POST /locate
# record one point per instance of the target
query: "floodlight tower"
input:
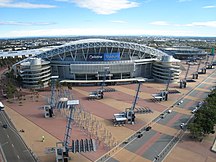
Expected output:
(105, 73)
(130, 114)
(166, 92)
(210, 66)
(53, 87)
(63, 148)
(196, 74)
(70, 104)
(183, 82)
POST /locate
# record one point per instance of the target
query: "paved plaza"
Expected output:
(29, 115)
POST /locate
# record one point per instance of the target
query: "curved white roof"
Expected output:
(96, 43)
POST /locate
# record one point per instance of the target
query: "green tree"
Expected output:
(195, 130)
(41, 83)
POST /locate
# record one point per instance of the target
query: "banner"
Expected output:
(212, 52)
(95, 57)
(112, 56)
(104, 57)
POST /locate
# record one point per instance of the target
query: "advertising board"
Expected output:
(112, 56)
(104, 57)
(95, 57)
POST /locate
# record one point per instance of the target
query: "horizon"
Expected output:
(65, 18)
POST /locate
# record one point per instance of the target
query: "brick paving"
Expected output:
(29, 116)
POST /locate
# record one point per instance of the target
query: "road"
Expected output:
(12, 145)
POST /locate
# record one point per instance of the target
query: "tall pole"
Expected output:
(136, 97)
(168, 82)
(187, 71)
(71, 105)
(212, 52)
(53, 87)
(105, 72)
(198, 65)
(68, 129)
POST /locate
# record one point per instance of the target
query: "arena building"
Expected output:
(86, 61)
(185, 52)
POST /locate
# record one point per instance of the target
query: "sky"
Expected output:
(29, 18)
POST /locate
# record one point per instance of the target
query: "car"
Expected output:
(169, 111)
(4, 126)
(200, 104)
(182, 125)
(194, 110)
(162, 115)
(1, 106)
(148, 128)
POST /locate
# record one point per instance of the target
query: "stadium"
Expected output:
(86, 61)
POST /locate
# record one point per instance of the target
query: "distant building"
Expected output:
(85, 61)
(184, 52)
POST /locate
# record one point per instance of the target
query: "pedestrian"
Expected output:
(43, 138)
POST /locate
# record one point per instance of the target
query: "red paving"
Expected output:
(56, 126)
(148, 144)
(189, 104)
(197, 147)
(173, 120)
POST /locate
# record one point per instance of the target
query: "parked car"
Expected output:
(194, 110)
(182, 125)
(1, 106)
(169, 111)
(4, 126)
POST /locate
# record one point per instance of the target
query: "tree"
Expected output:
(11, 89)
(205, 117)
(195, 130)
(41, 83)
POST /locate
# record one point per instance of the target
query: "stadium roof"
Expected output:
(95, 43)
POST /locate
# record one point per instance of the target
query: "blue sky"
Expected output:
(21, 18)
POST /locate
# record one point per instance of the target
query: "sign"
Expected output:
(95, 57)
(73, 102)
(212, 52)
(104, 57)
(112, 56)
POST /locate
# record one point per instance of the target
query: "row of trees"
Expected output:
(9, 61)
(205, 118)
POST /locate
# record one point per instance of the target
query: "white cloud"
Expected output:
(25, 23)
(104, 7)
(159, 23)
(209, 6)
(193, 24)
(14, 4)
(203, 24)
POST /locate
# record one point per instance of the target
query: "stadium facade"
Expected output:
(85, 61)
(185, 52)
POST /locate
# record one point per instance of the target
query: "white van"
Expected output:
(1, 106)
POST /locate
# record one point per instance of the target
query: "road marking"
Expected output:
(18, 157)
(12, 145)
(7, 136)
